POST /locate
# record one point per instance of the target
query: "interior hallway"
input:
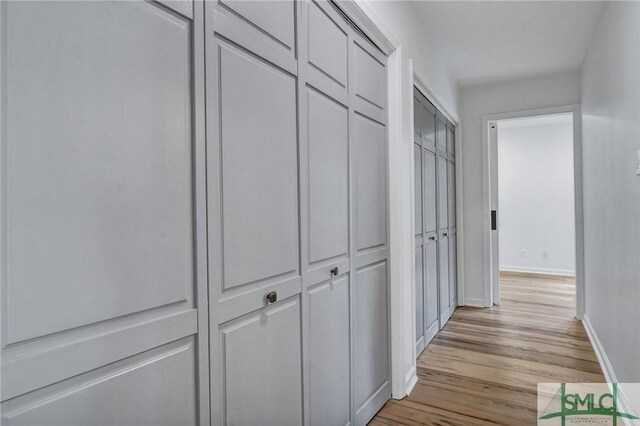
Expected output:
(484, 365)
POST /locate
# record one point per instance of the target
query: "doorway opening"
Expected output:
(535, 210)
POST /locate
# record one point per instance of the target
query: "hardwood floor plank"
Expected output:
(483, 367)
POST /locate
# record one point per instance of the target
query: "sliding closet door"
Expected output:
(103, 270)
(324, 174)
(368, 99)
(430, 299)
(426, 221)
(443, 219)
(418, 120)
(252, 165)
(451, 183)
(419, 278)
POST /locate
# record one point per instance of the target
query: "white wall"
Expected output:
(611, 136)
(536, 194)
(402, 19)
(475, 102)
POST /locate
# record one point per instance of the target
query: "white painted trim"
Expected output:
(578, 206)
(438, 101)
(603, 360)
(411, 380)
(399, 227)
(475, 302)
(543, 271)
(486, 216)
(364, 17)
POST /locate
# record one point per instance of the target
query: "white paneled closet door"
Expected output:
(370, 251)
(453, 233)
(435, 239)
(418, 218)
(443, 218)
(427, 314)
(103, 256)
(324, 173)
(430, 271)
(254, 259)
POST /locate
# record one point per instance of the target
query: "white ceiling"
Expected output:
(488, 41)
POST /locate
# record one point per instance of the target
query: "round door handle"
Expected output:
(432, 238)
(444, 234)
(334, 271)
(272, 296)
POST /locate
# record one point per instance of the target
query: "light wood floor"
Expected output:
(484, 365)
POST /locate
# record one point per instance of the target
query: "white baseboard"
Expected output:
(475, 302)
(609, 375)
(411, 381)
(564, 272)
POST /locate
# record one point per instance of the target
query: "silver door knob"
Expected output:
(432, 238)
(272, 296)
(334, 271)
(444, 234)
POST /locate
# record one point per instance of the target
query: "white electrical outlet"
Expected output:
(638, 162)
(545, 254)
(523, 253)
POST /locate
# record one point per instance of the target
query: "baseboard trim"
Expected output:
(474, 302)
(603, 360)
(411, 381)
(539, 271)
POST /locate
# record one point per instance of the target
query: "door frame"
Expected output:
(491, 286)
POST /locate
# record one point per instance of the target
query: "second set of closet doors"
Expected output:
(435, 220)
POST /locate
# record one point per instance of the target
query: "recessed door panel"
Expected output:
(443, 207)
(276, 19)
(371, 341)
(98, 163)
(102, 125)
(420, 319)
(328, 352)
(259, 169)
(371, 78)
(328, 151)
(370, 151)
(451, 141)
(328, 45)
(443, 277)
(263, 374)
(153, 388)
(417, 194)
(429, 192)
(429, 125)
(417, 117)
(430, 285)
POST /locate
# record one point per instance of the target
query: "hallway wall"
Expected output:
(611, 137)
(401, 18)
(476, 101)
(535, 192)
